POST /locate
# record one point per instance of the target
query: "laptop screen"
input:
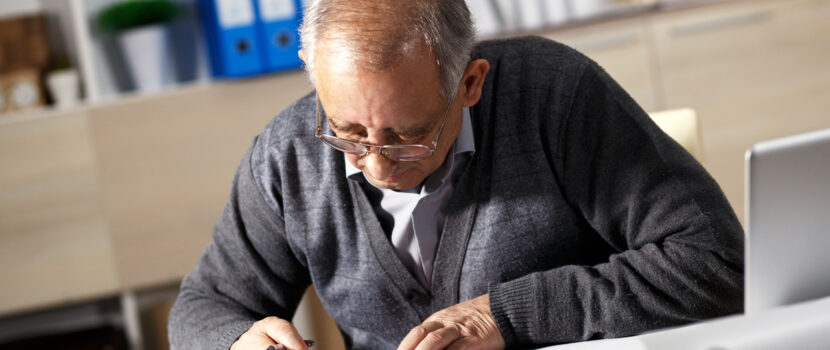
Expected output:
(788, 221)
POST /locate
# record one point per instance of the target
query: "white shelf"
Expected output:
(98, 55)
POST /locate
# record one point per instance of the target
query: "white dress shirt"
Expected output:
(418, 214)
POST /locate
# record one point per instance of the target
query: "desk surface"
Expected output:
(802, 326)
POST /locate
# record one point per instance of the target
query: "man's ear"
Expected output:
(301, 53)
(473, 80)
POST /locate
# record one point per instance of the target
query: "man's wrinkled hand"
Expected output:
(466, 325)
(270, 331)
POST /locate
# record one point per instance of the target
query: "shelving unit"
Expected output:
(118, 198)
(101, 61)
(105, 76)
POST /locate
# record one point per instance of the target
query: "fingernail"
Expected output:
(309, 343)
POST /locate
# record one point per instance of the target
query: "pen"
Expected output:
(308, 343)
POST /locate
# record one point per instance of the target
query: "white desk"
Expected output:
(803, 326)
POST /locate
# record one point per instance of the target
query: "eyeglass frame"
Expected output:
(367, 147)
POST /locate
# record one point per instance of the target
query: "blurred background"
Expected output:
(122, 123)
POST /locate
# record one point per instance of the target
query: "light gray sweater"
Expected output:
(577, 214)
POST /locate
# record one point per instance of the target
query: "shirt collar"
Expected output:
(465, 142)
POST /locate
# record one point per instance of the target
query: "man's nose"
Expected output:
(378, 166)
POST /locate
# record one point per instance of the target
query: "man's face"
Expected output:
(402, 105)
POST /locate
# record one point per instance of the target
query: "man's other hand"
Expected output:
(270, 331)
(467, 325)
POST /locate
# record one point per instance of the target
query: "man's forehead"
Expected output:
(402, 126)
(402, 98)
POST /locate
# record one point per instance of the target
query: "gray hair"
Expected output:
(376, 33)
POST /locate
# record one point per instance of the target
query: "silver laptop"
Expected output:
(788, 221)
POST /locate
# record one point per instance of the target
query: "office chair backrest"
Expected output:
(682, 126)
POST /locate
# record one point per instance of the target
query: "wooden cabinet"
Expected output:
(753, 70)
(167, 164)
(54, 244)
(123, 196)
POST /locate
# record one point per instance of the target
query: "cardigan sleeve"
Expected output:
(248, 271)
(678, 243)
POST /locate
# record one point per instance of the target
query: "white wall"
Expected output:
(12, 8)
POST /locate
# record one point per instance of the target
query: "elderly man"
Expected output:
(441, 194)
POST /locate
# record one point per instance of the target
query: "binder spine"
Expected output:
(231, 32)
(278, 22)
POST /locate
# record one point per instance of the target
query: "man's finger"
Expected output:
(432, 326)
(439, 339)
(413, 338)
(284, 333)
(466, 344)
(253, 342)
(417, 334)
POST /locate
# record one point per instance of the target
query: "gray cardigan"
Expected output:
(576, 213)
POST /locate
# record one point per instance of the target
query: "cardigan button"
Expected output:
(414, 296)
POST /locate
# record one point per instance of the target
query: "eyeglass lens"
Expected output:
(405, 153)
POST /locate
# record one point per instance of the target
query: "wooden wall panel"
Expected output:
(167, 162)
(54, 244)
(753, 70)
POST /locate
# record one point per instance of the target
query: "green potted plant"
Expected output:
(141, 29)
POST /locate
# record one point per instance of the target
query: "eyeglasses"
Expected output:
(402, 153)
